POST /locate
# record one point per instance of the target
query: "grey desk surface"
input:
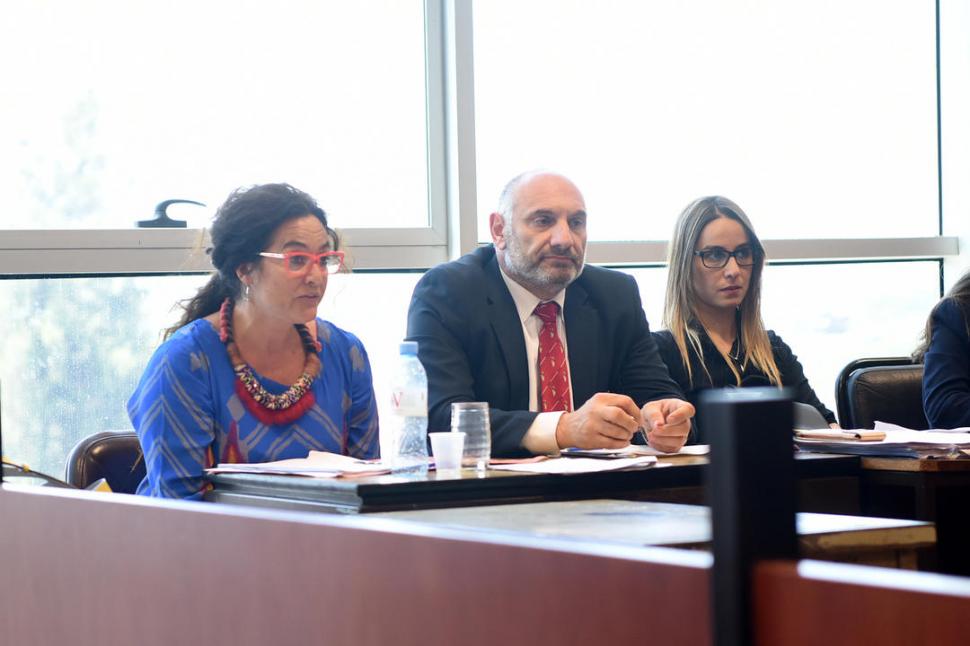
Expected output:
(663, 524)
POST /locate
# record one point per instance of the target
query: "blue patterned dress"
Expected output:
(188, 416)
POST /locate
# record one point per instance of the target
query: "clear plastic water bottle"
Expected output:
(404, 437)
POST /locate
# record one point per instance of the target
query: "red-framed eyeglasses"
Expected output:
(299, 262)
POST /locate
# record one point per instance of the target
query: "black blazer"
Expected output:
(792, 375)
(471, 343)
(946, 368)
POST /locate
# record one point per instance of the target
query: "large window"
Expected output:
(107, 108)
(819, 119)
(405, 119)
(72, 351)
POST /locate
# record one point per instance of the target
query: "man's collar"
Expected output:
(526, 301)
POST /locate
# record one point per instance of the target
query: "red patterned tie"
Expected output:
(553, 372)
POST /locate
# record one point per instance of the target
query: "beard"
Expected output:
(531, 274)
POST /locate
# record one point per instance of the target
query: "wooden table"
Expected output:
(924, 489)
(853, 539)
(823, 479)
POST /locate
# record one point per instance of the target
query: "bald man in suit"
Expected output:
(489, 324)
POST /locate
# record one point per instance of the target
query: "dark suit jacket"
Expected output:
(471, 343)
(946, 368)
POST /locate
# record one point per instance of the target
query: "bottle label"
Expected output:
(409, 403)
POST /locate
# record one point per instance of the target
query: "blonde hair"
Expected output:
(680, 304)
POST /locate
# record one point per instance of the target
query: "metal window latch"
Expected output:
(161, 219)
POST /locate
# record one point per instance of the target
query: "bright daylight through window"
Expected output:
(819, 119)
(121, 105)
(806, 114)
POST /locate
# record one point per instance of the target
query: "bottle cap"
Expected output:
(409, 347)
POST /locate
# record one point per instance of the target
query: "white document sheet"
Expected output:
(944, 437)
(634, 450)
(579, 465)
(318, 464)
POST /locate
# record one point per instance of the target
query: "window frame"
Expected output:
(452, 230)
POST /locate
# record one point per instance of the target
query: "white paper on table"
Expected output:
(946, 437)
(899, 442)
(275, 472)
(635, 450)
(318, 464)
(578, 465)
(693, 449)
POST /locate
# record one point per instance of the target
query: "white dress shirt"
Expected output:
(541, 436)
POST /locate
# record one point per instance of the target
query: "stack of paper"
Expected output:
(897, 442)
(856, 434)
(634, 450)
(578, 465)
(318, 464)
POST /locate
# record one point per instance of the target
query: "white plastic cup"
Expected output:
(471, 418)
(447, 449)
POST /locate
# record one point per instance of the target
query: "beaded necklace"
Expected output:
(271, 409)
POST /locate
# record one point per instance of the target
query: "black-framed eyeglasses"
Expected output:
(717, 257)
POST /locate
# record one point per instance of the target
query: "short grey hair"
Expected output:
(506, 200)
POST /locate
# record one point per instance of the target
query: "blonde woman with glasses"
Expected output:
(715, 337)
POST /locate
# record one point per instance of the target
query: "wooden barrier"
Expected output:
(84, 568)
(81, 568)
(811, 602)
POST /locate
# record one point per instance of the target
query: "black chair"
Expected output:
(887, 389)
(113, 455)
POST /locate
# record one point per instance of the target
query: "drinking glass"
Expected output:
(471, 418)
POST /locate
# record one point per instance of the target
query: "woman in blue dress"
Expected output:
(250, 374)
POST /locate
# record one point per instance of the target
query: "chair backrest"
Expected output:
(888, 390)
(842, 381)
(113, 455)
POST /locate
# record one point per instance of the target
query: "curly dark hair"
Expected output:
(243, 226)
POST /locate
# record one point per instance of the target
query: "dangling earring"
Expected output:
(246, 291)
